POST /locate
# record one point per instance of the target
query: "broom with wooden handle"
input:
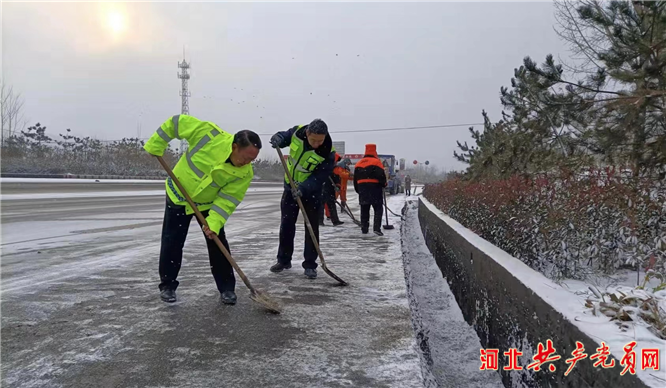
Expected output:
(256, 295)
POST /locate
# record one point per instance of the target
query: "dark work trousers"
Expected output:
(174, 232)
(328, 198)
(289, 208)
(365, 216)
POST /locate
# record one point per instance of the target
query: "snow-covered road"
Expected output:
(80, 305)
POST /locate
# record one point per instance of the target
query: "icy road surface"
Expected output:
(81, 308)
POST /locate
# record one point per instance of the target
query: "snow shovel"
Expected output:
(307, 221)
(348, 212)
(256, 295)
(387, 226)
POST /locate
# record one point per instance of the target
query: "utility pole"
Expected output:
(184, 76)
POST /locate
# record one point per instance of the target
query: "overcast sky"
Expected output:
(103, 69)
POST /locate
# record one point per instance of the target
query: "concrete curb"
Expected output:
(507, 314)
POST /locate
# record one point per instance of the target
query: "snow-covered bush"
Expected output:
(565, 225)
(641, 305)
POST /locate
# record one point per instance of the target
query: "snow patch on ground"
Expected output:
(449, 346)
(571, 306)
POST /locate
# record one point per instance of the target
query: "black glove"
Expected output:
(276, 140)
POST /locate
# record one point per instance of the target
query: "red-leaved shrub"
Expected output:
(565, 225)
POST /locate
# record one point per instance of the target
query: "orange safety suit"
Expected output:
(344, 175)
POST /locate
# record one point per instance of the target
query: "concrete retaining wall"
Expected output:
(507, 314)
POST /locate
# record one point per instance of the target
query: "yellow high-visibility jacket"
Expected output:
(205, 171)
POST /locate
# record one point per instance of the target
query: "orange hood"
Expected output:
(371, 149)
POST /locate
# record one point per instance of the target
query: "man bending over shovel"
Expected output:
(310, 162)
(216, 172)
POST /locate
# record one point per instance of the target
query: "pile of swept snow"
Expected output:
(438, 322)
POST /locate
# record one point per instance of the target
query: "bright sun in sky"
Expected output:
(115, 20)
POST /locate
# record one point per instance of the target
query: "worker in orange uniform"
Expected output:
(342, 176)
(369, 182)
(329, 193)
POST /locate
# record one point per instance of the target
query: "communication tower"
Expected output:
(184, 76)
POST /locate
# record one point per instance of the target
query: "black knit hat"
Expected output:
(318, 127)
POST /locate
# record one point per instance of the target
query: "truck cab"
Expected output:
(394, 184)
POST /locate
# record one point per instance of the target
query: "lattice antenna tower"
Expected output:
(184, 76)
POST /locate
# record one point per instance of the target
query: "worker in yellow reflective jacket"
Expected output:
(216, 172)
(310, 162)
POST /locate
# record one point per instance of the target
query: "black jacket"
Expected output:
(369, 180)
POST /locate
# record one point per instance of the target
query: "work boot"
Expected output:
(378, 232)
(228, 297)
(279, 267)
(310, 273)
(338, 222)
(168, 295)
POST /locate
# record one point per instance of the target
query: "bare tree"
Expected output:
(12, 119)
(585, 40)
(619, 46)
